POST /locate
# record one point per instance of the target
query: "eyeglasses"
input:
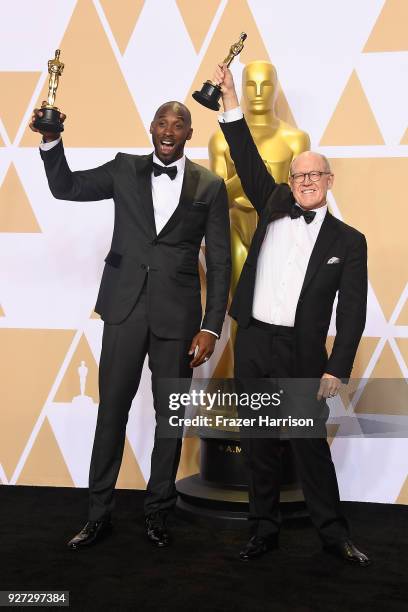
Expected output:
(313, 176)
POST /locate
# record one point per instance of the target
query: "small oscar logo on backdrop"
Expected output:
(73, 424)
(82, 400)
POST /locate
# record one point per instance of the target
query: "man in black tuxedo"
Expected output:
(300, 258)
(149, 298)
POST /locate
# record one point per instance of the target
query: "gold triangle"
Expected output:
(385, 392)
(122, 17)
(403, 347)
(332, 430)
(130, 475)
(45, 464)
(29, 362)
(403, 317)
(16, 213)
(190, 458)
(353, 121)
(227, 32)
(364, 353)
(203, 162)
(94, 315)
(387, 365)
(70, 384)
(381, 396)
(93, 92)
(1, 142)
(16, 91)
(403, 494)
(198, 17)
(404, 140)
(2, 314)
(356, 192)
(225, 365)
(390, 30)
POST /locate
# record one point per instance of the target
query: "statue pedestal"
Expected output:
(220, 493)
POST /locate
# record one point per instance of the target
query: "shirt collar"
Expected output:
(179, 164)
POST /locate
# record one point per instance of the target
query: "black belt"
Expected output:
(271, 328)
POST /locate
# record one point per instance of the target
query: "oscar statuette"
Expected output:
(50, 120)
(210, 92)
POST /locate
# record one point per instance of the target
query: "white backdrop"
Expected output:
(343, 68)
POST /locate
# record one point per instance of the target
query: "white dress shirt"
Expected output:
(165, 192)
(282, 260)
(281, 267)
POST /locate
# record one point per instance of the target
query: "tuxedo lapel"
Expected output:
(187, 196)
(328, 233)
(144, 175)
(279, 204)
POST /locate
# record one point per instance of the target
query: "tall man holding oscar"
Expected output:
(149, 298)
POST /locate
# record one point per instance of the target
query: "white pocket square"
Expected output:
(334, 260)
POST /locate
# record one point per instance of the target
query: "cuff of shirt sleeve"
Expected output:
(231, 115)
(46, 146)
(211, 332)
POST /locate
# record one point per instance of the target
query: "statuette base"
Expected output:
(209, 96)
(50, 121)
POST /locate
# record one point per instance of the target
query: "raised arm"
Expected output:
(257, 182)
(80, 186)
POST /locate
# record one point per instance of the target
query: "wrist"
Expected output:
(50, 137)
(230, 100)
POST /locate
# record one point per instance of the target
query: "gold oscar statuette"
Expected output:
(210, 92)
(50, 121)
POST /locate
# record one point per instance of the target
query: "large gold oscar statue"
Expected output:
(278, 143)
(220, 490)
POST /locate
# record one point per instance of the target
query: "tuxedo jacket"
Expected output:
(167, 262)
(338, 264)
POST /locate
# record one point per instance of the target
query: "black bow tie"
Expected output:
(171, 171)
(297, 212)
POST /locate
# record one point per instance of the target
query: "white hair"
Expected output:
(323, 157)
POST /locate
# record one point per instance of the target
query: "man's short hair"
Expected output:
(175, 106)
(323, 157)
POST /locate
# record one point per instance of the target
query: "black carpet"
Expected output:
(201, 570)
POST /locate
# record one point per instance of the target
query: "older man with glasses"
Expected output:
(300, 258)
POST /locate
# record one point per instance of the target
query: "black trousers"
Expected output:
(124, 348)
(267, 351)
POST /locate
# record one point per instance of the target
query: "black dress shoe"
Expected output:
(92, 532)
(348, 552)
(258, 546)
(156, 529)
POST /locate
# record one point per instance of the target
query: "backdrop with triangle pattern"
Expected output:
(342, 78)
